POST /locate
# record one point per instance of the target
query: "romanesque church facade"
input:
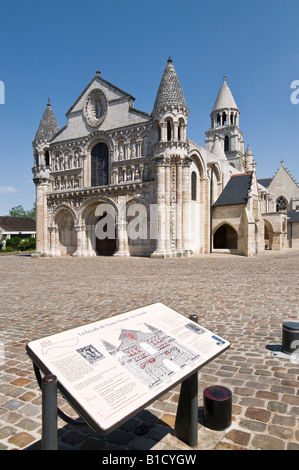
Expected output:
(189, 199)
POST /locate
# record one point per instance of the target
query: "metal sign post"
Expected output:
(49, 412)
(186, 423)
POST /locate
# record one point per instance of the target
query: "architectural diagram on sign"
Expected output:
(151, 356)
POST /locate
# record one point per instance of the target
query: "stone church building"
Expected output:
(169, 197)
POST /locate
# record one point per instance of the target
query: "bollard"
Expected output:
(217, 403)
(49, 412)
(290, 337)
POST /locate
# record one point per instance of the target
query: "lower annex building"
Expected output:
(168, 196)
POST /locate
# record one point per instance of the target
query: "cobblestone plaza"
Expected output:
(244, 300)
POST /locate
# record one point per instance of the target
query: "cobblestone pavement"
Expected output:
(244, 300)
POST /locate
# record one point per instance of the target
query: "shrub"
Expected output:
(13, 243)
(27, 244)
(19, 244)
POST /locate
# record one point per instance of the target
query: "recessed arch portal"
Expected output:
(226, 237)
(67, 238)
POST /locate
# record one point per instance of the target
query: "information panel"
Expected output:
(114, 367)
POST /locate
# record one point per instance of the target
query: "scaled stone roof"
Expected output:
(236, 190)
(17, 224)
(170, 92)
(48, 126)
(225, 98)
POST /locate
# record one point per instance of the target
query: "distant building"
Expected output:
(23, 227)
(205, 199)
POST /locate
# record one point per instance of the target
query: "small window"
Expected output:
(193, 186)
(226, 143)
(47, 158)
(281, 204)
(168, 131)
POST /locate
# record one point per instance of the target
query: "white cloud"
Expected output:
(8, 189)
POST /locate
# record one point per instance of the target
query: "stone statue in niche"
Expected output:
(133, 150)
(121, 152)
(76, 160)
(146, 145)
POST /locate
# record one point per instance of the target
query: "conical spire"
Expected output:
(170, 92)
(48, 126)
(225, 99)
(248, 152)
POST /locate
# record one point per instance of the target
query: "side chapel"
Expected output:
(207, 199)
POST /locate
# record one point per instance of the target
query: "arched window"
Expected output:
(168, 131)
(99, 165)
(47, 158)
(281, 204)
(193, 186)
(226, 143)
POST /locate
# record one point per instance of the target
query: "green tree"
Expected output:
(19, 211)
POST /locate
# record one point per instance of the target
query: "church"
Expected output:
(117, 181)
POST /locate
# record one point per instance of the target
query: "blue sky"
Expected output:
(53, 49)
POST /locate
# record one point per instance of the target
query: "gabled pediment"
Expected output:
(111, 92)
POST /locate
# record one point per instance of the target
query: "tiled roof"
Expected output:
(293, 216)
(170, 92)
(48, 126)
(236, 190)
(17, 224)
(265, 182)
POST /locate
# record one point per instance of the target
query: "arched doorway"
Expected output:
(105, 225)
(99, 240)
(226, 237)
(268, 235)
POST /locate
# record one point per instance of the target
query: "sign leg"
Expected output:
(49, 412)
(186, 424)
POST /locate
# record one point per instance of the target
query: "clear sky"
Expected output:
(53, 49)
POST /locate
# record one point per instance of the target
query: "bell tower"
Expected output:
(47, 129)
(225, 125)
(172, 164)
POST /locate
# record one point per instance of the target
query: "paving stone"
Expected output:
(21, 439)
(258, 413)
(239, 437)
(264, 442)
(57, 296)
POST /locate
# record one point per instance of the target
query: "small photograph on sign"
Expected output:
(195, 328)
(91, 354)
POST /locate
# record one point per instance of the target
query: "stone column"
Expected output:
(41, 217)
(179, 195)
(138, 148)
(80, 231)
(167, 207)
(54, 241)
(175, 131)
(160, 189)
(91, 240)
(186, 202)
(122, 244)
